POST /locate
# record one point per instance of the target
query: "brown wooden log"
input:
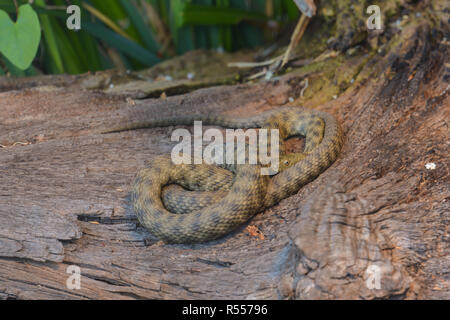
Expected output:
(64, 186)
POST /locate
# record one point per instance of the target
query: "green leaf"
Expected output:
(51, 40)
(193, 14)
(19, 41)
(144, 30)
(122, 44)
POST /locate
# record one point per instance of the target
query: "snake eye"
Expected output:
(286, 162)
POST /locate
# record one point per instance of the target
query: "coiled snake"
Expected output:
(220, 200)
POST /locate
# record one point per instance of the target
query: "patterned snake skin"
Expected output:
(220, 199)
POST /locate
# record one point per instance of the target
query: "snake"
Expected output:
(194, 203)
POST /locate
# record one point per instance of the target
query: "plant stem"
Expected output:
(296, 36)
(17, 7)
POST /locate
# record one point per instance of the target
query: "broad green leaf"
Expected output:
(19, 41)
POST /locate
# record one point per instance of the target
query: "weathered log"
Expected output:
(380, 208)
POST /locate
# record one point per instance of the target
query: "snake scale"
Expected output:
(222, 200)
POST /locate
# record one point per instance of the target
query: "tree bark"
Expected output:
(380, 212)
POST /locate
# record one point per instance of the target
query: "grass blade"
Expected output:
(143, 29)
(122, 44)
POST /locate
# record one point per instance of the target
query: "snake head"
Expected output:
(288, 160)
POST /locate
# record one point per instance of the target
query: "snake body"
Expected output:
(222, 200)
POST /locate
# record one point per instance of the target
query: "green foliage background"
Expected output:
(136, 34)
